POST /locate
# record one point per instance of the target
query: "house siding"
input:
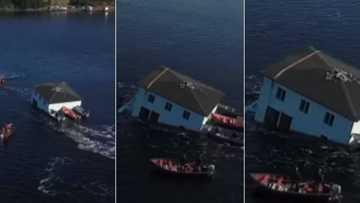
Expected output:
(58, 106)
(41, 103)
(48, 108)
(356, 128)
(311, 123)
(173, 117)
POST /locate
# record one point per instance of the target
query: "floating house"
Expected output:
(171, 98)
(51, 97)
(312, 93)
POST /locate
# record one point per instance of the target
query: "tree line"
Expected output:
(24, 4)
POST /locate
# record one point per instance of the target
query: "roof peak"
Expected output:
(182, 89)
(321, 77)
(304, 58)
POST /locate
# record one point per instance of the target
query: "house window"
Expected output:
(329, 119)
(151, 98)
(168, 106)
(186, 115)
(280, 94)
(304, 106)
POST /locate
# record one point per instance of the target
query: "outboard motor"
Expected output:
(211, 169)
(336, 190)
(321, 175)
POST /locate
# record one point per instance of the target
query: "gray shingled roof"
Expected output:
(57, 92)
(322, 78)
(182, 90)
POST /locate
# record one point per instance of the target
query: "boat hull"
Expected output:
(263, 191)
(161, 170)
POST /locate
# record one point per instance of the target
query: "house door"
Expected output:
(144, 113)
(271, 118)
(154, 117)
(284, 122)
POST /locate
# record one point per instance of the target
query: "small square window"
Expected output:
(304, 106)
(329, 119)
(280, 94)
(186, 115)
(151, 98)
(168, 106)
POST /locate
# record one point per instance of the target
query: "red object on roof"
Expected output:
(237, 122)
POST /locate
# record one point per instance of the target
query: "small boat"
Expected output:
(2, 82)
(81, 111)
(227, 121)
(297, 190)
(70, 113)
(6, 132)
(189, 168)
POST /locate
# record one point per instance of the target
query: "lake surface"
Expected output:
(272, 32)
(202, 39)
(44, 163)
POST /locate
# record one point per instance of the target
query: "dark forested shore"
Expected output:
(56, 5)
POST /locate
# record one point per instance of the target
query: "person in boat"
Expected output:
(8, 127)
(264, 179)
(2, 82)
(188, 168)
(2, 133)
(165, 164)
(6, 131)
(321, 175)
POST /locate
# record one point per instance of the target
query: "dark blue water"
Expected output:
(44, 163)
(199, 38)
(274, 30)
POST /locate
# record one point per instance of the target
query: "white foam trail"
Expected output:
(24, 92)
(100, 141)
(12, 76)
(53, 183)
(46, 185)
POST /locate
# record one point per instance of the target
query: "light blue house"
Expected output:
(171, 98)
(312, 93)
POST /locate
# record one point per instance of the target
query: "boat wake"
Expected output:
(12, 76)
(100, 141)
(55, 180)
(10, 88)
(20, 91)
(47, 184)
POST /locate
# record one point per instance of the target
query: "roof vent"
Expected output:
(57, 89)
(339, 75)
(186, 84)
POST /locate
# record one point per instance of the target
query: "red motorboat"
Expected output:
(175, 167)
(296, 190)
(2, 82)
(227, 121)
(6, 132)
(70, 113)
